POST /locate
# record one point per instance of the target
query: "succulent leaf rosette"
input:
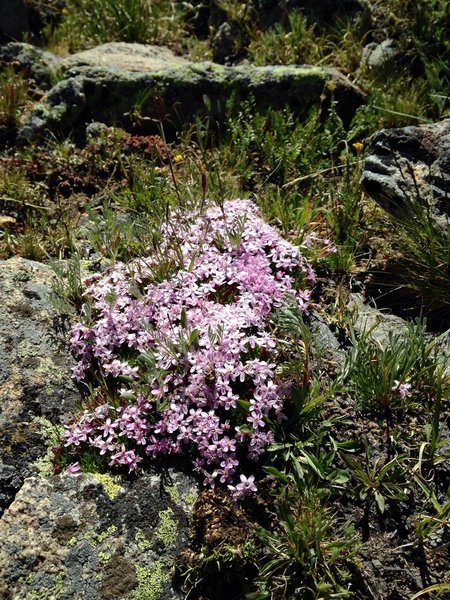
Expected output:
(192, 357)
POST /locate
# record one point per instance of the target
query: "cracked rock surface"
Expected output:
(408, 170)
(36, 390)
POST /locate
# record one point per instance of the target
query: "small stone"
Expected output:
(6, 221)
(380, 59)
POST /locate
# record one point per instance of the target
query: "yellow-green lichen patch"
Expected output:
(104, 557)
(142, 542)
(167, 528)
(50, 433)
(189, 499)
(110, 484)
(49, 370)
(95, 539)
(29, 578)
(151, 581)
(47, 593)
(173, 492)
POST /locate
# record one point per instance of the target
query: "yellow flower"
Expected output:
(358, 146)
(178, 158)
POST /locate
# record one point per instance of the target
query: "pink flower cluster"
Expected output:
(195, 354)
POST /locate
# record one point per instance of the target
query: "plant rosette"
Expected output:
(191, 361)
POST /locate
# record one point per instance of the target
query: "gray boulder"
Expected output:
(408, 171)
(379, 325)
(90, 536)
(13, 20)
(36, 391)
(31, 62)
(380, 59)
(177, 92)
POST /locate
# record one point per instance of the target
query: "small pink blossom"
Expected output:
(74, 468)
(402, 389)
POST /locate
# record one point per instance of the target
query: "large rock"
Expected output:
(408, 170)
(89, 536)
(177, 92)
(13, 20)
(70, 537)
(36, 391)
(378, 325)
(31, 62)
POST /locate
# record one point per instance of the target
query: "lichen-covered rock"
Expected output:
(87, 536)
(408, 170)
(36, 390)
(31, 62)
(64, 104)
(177, 94)
(325, 345)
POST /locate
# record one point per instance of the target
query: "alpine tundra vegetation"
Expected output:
(224, 299)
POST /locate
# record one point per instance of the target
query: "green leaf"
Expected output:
(183, 319)
(313, 463)
(298, 473)
(125, 379)
(244, 404)
(340, 476)
(380, 501)
(246, 429)
(128, 395)
(348, 446)
(276, 473)
(257, 596)
(437, 587)
(193, 338)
